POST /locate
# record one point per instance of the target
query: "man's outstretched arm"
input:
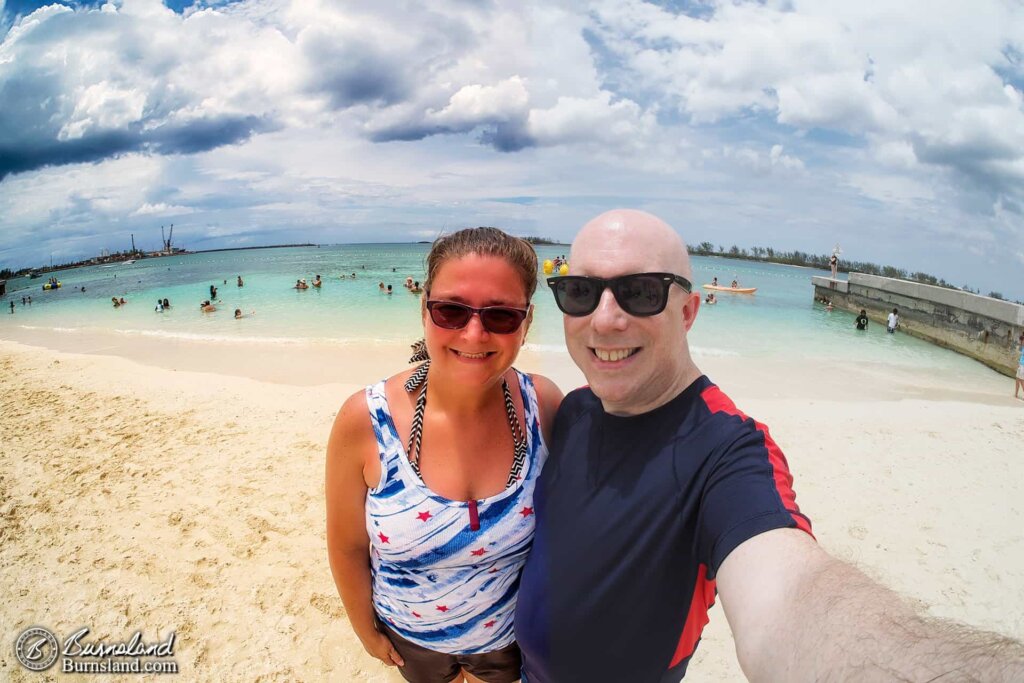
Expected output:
(798, 614)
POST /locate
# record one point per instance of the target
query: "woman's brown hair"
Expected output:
(517, 252)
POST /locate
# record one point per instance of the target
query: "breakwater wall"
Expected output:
(983, 328)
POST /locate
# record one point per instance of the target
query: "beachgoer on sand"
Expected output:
(1019, 384)
(660, 497)
(420, 485)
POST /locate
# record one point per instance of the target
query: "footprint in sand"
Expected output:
(858, 532)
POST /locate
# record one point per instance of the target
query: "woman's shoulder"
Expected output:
(549, 396)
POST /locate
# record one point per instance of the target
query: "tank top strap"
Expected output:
(389, 445)
(531, 413)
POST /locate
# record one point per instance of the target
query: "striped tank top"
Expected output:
(436, 581)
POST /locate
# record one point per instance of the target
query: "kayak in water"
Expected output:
(737, 290)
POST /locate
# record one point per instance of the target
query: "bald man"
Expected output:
(659, 493)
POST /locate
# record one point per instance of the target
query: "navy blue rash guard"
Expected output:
(634, 517)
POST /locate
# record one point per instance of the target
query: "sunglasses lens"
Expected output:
(501, 320)
(641, 295)
(450, 316)
(577, 295)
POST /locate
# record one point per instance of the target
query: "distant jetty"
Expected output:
(984, 328)
(268, 246)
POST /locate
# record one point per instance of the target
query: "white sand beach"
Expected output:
(180, 488)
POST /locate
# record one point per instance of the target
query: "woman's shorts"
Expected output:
(427, 666)
(1020, 372)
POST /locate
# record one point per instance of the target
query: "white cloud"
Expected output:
(326, 113)
(162, 209)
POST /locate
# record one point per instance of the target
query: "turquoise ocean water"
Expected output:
(780, 321)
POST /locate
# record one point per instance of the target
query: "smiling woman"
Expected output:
(430, 512)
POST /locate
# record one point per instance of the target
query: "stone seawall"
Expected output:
(983, 328)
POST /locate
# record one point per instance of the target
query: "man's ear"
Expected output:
(690, 308)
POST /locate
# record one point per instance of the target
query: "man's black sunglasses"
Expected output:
(452, 315)
(639, 294)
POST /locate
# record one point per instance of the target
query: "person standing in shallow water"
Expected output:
(893, 321)
(862, 320)
(430, 473)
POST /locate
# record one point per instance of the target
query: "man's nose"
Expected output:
(608, 316)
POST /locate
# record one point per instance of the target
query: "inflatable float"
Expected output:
(735, 290)
(50, 285)
(549, 267)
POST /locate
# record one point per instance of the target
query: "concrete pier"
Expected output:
(983, 328)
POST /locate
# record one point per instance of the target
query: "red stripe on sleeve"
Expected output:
(702, 600)
(718, 402)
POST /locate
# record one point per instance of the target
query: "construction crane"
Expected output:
(167, 239)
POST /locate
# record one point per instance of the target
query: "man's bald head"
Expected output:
(633, 363)
(640, 241)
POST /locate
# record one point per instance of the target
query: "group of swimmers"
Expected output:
(317, 282)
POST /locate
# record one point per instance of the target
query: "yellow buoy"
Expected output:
(549, 266)
(563, 269)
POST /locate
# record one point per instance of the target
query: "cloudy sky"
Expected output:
(895, 129)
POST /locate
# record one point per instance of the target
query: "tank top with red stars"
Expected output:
(446, 572)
